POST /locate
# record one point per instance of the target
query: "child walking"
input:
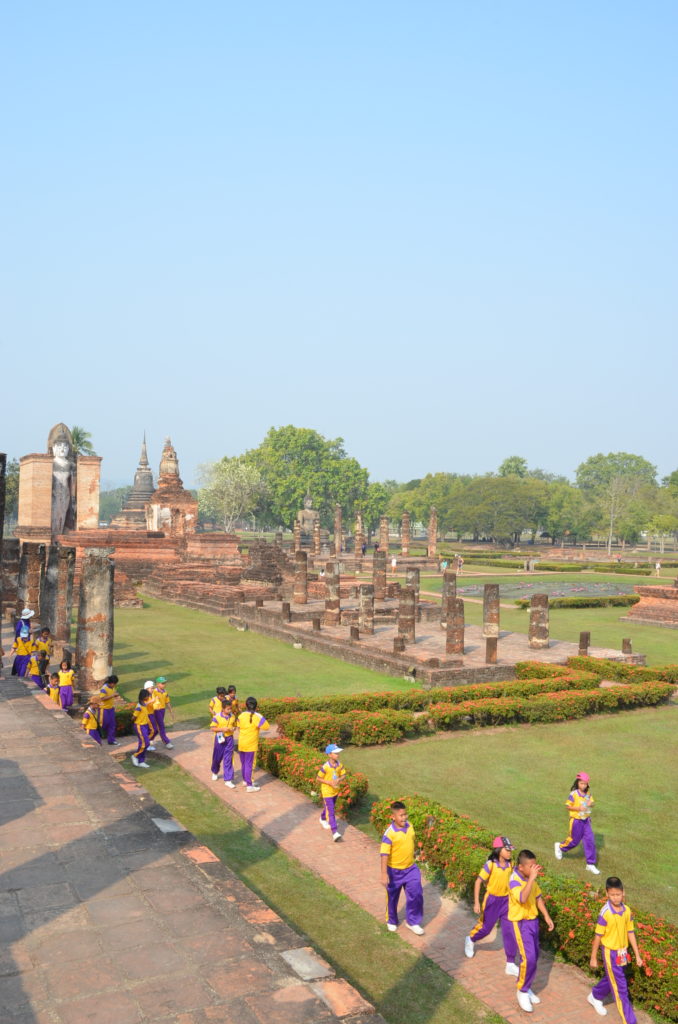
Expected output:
(66, 675)
(615, 931)
(34, 669)
(140, 721)
(53, 687)
(495, 873)
(161, 702)
(215, 702)
(223, 726)
(90, 723)
(329, 777)
(398, 871)
(525, 903)
(250, 724)
(149, 686)
(106, 698)
(579, 804)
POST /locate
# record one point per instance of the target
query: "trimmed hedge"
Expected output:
(611, 601)
(554, 706)
(297, 765)
(622, 570)
(360, 728)
(455, 847)
(621, 672)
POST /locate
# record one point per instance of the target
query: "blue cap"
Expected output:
(332, 748)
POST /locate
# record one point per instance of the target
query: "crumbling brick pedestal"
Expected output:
(538, 635)
(94, 641)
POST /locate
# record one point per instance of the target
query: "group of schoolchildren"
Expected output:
(513, 898)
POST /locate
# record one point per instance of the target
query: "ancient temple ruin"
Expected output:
(132, 515)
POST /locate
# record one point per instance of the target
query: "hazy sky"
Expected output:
(445, 231)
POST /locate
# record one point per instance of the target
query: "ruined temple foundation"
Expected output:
(538, 635)
(658, 606)
(94, 641)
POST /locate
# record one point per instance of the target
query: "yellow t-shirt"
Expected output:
(614, 926)
(496, 877)
(579, 804)
(398, 845)
(250, 724)
(223, 722)
(89, 721)
(107, 695)
(66, 678)
(33, 667)
(330, 776)
(44, 645)
(215, 705)
(518, 911)
(140, 715)
(161, 699)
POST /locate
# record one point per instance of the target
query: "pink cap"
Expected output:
(584, 776)
(502, 842)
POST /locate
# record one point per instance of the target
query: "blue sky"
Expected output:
(445, 232)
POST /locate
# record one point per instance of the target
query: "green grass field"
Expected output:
(515, 780)
(198, 652)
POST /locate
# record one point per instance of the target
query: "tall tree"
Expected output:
(614, 483)
(294, 461)
(514, 465)
(82, 441)
(231, 490)
(12, 489)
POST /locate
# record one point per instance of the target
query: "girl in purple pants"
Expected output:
(495, 873)
(579, 804)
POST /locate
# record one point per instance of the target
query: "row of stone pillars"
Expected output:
(359, 535)
(46, 586)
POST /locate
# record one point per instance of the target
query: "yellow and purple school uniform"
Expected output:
(523, 915)
(329, 777)
(579, 806)
(614, 926)
(397, 845)
(66, 687)
(223, 726)
(33, 669)
(215, 705)
(90, 723)
(161, 701)
(45, 645)
(250, 724)
(23, 647)
(106, 698)
(53, 687)
(140, 721)
(496, 874)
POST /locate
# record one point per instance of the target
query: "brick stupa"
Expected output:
(132, 516)
(171, 509)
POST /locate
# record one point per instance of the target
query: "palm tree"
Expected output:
(82, 441)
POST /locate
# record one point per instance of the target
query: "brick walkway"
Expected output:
(352, 866)
(106, 918)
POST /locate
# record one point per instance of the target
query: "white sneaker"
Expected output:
(534, 999)
(324, 824)
(253, 789)
(336, 835)
(142, 764)
(558, 852)
(151, 747)
(392, 927)
(214, 776)
(524, 1001)
(169, 746)
(512, 970)
(593, 869)
(469, 947)
(231, 785)
(416, 928)
(596, 1004)
(135, 761)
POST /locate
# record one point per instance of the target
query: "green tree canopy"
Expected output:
(514, 465)
(231, 490)
(619, 485)
(294, 461)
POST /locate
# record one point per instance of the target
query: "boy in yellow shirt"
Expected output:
(399, 871)
(525, 903)
(330, 777)
(615, 931)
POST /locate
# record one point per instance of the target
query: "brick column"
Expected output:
(539, 622)
(449, 590)
(405, 534)
(338, 529)
(48, 592)
(366, 608)
(63, 605)
(406, 613)
(297, 535)
(94, 641)
(412, 579)
(584, 644)
(332, 602)
(383, 534)
(300, 578)
(359, 534)
(491, 610)
(433, 532)
(31, 569)
(454, 615)
(316, 537)
(491, 650)
(379, 575)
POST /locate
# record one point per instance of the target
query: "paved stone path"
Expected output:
(105, 918)
(352, 866)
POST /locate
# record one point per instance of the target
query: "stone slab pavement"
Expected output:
(112, 913)
(291, 820)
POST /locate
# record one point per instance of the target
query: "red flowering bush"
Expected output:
(455, 847)
(297, 765)
(361, 728)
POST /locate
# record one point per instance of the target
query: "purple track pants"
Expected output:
(160, 722)
(328, 812)
(142, 736)
(222, 753)
(247, 764)
(614, 981)
(495, 909)
(581, 832)
(108, 724)
(408, 879)
(527, 939)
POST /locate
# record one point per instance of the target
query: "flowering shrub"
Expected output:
(456, 847)
(362, 728)
(554, 706)
(297, 765)
(620, 671)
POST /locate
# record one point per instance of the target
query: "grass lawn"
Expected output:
(553, 579)
(198, 652)
(405, 987)
(515, 781)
